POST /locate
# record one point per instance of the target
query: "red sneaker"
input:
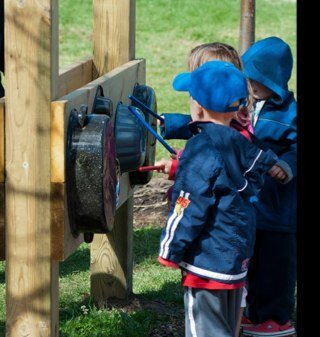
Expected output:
(245, 322)
(269, 328)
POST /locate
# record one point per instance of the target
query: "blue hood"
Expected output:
(269, 62)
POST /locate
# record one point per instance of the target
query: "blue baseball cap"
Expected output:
(215, 85)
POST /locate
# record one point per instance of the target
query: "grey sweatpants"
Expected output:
(211, 313)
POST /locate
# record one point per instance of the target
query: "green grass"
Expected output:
(79, 317)
(166, 31)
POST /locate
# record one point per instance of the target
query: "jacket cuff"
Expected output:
(285, 166)
(167, 263)
(173, 169)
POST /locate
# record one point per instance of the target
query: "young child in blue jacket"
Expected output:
(211, 227)
(175, 125)
(272, 272)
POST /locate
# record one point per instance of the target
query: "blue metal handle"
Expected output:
(136, 100)
(149, 128)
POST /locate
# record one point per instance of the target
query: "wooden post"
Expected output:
(247, 25)
(111, 255)
(31, 35)
(2, 231)
(113, 34)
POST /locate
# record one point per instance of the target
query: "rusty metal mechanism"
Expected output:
(91, 170)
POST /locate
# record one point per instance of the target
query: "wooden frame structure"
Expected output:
(33, 123)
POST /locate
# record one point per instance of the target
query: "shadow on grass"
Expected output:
(2, 279)
(146, 243)
(2, 328)
(170, 293)
(78, 261)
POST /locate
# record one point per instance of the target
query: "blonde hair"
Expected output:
(217, 51)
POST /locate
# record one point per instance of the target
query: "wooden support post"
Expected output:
(113, 34)
(111, 255)
(247, 25)
(2, 200)
(31, 35)
(111, 258)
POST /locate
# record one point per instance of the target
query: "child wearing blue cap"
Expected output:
(272, 272)
(210, 228)
(176, 125)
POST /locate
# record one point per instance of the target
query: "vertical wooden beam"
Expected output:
(111, 258)
(111, 255)
(113, 34)
(2, 200)
(2, 107)
(247, 25)
(31, 34)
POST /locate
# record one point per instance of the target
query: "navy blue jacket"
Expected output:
(269, 62)
(176, 126)
(211, 223)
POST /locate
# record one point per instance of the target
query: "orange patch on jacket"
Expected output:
(181, 202)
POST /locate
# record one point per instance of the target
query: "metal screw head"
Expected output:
(82, 114)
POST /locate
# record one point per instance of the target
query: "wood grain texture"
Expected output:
(31, 39)
(63, 243)
(75, 76)
(113, 34)
(111, 267)
(2, 228)
(2, 158)
(247, 25)
(2, 199)
(111, 255)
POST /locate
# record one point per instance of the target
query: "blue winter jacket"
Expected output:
(211, 223)
(269, 62)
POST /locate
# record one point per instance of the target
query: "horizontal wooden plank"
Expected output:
(75, 76)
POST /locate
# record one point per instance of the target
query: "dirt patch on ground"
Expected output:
(174, 323)
(150, 205)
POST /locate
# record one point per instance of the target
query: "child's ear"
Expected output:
(199, 109)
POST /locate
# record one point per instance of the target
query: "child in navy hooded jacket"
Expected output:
(211, 227)
(272, 273)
